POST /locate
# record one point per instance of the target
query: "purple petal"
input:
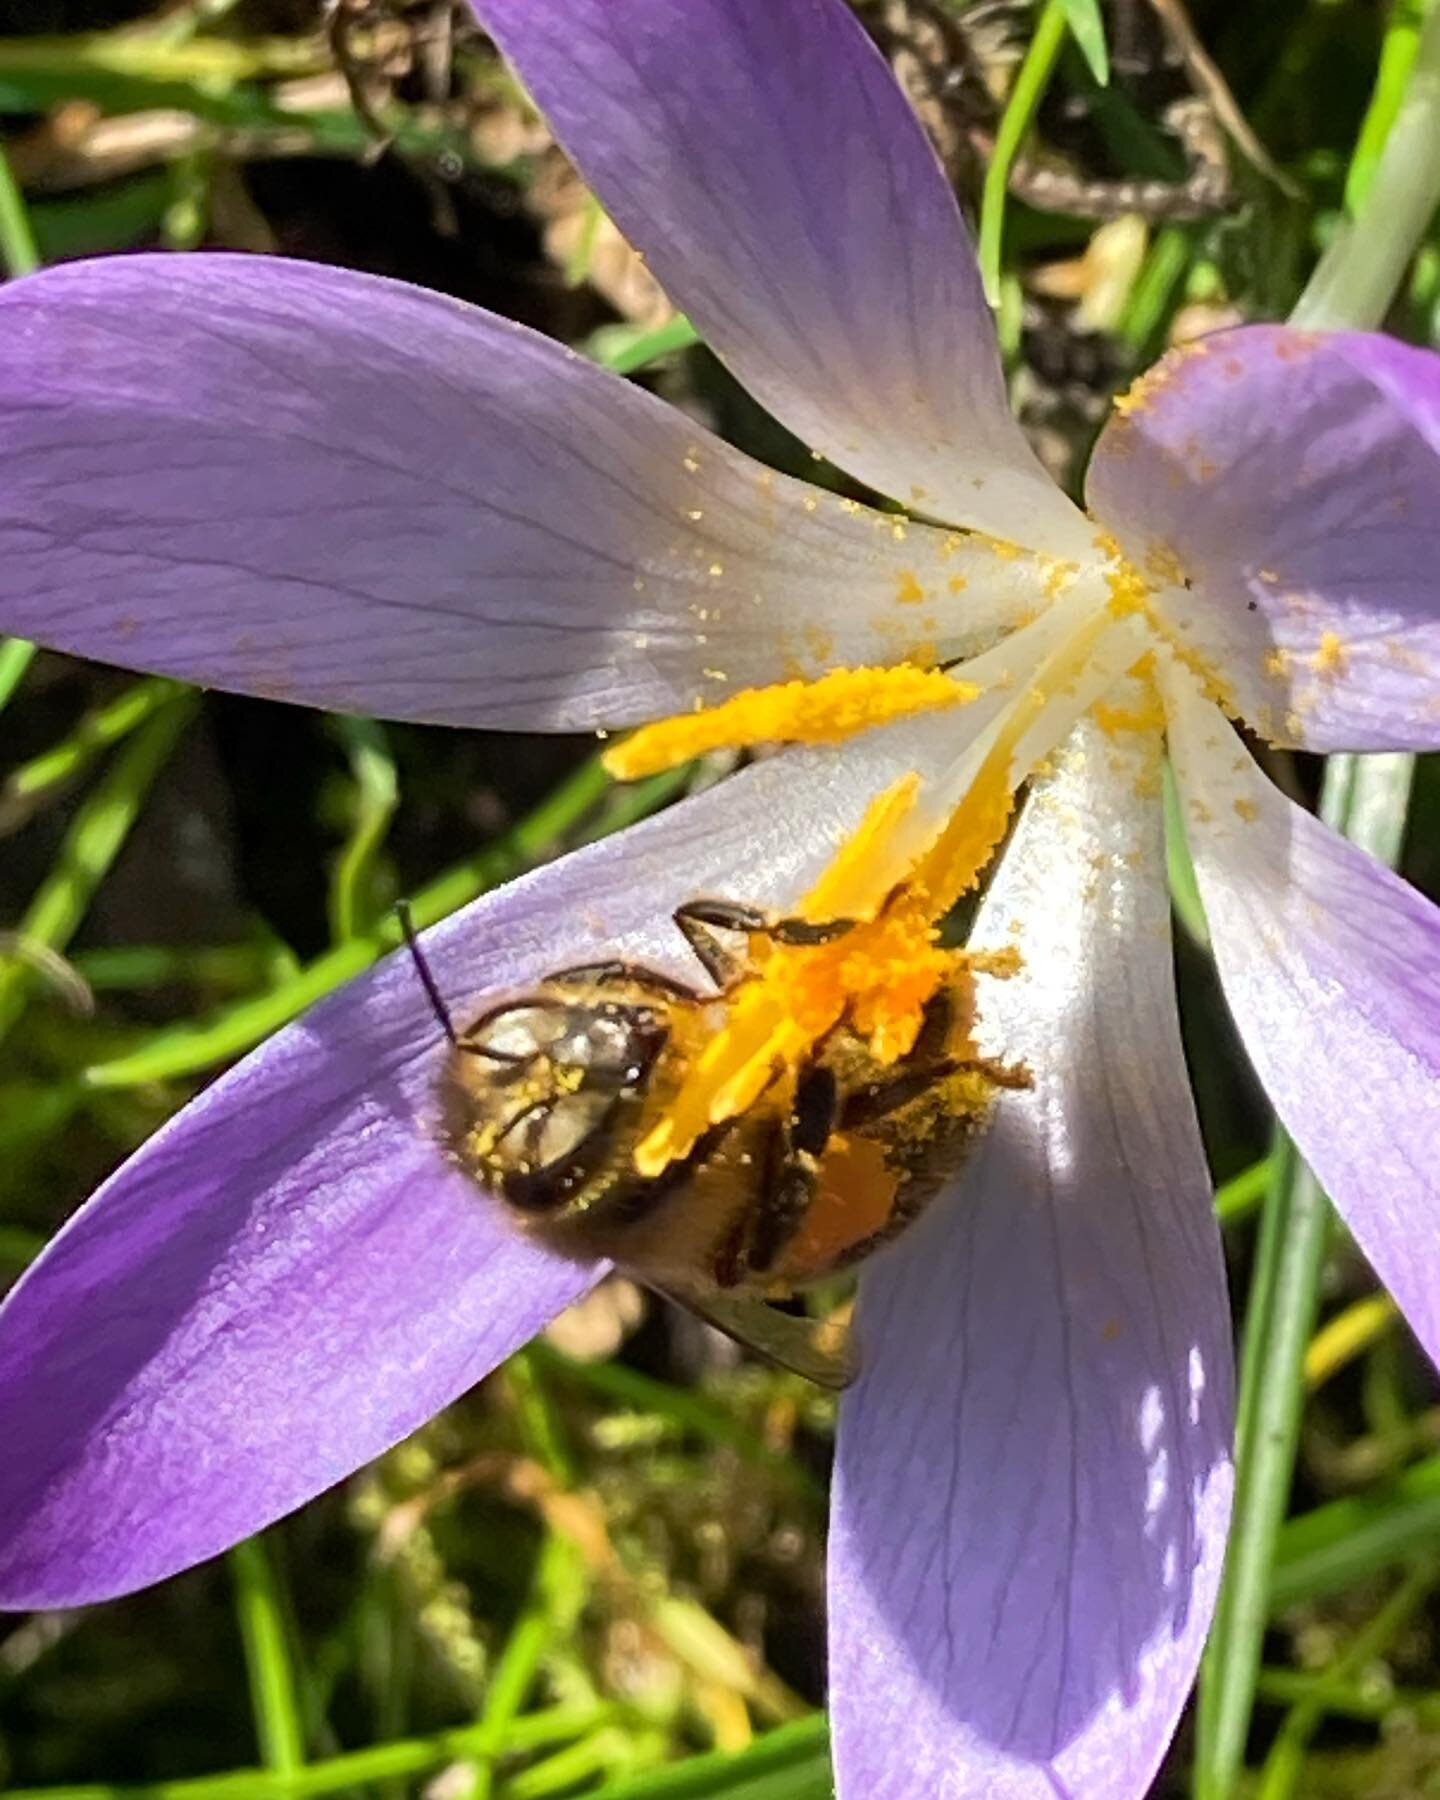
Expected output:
(779, 184)
(290, 1276)
(1295, 481)
(1331, 966)
(323, 487)
(1034, 1477)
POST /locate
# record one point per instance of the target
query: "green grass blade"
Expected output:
(1020, 110)
(40, 779)
(273, 1690)
(1087, 27)
(377, 794)
(18, 250)
(89, 849)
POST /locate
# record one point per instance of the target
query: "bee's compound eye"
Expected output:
(560, 1131)
(621, 1043)
(518, 1034)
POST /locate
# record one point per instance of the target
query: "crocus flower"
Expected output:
(307, 484)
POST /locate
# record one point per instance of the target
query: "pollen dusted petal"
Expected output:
(1331, 966)
(1282, 489)
(761, 155)
(290, 1276)
(326, 488)
(1033, 1476)
(824, 711)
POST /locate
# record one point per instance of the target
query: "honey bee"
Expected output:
(546, 1094)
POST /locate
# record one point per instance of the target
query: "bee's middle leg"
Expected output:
(788, 1182)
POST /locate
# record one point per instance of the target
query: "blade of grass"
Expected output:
(1087, 27)
(16, 656)
(624, 349)
(90, 847)
(1398, 51)
(274, 1697)
(559, 1588)
(1031, 82)
(38, 780)
(200, 1044)
(1285, 1764)
(686, 1409)
(1237, 1198)
(1366, 798)
(1362, 267)
(1351, 1540)
(354, 1769)
(1348, 1335)
(377, 794)
(18, 250)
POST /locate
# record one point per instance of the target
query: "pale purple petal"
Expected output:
(323, 487)
(1331, 966)
(1294, 480)
(290, 1277)
(1034, 1477)
(763, 158)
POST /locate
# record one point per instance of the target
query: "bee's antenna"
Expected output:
(422, 969)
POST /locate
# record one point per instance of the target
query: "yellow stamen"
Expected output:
(894, 880)
(823, 711)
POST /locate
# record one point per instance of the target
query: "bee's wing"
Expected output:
(819, 1349)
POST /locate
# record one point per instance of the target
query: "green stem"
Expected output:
(1020, 110)
(91, 845)
(377, 794)
(17, 238)
(273, 1693)
(16, 656)
(357, 1768)
(38, 780)
(1357, 277)
(196, 1045)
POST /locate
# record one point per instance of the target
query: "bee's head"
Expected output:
(540, 1088)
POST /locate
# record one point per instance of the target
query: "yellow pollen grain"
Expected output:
(957, 584)
(824, 711)
(695, 514)
(911, 593)
(1129, 590)
(1112, 720)
(1277, 662)
(1004, 549)
(1331, 655)
(1162, 564)
(1248, 810)
(717, 568)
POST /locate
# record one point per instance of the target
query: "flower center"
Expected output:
(918, 849)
